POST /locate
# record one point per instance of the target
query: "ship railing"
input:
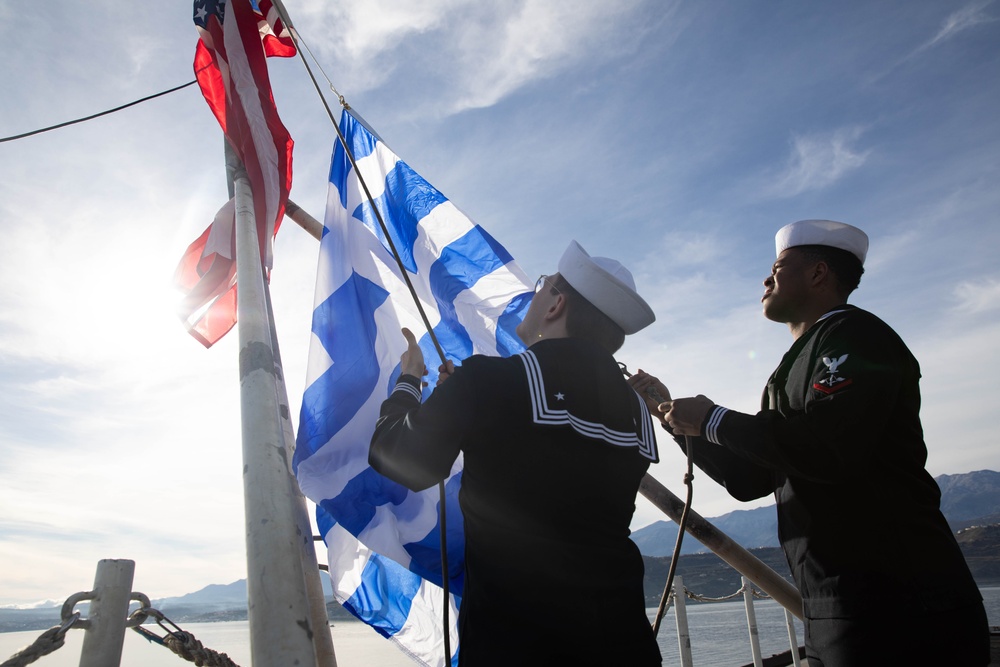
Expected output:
(749, 593)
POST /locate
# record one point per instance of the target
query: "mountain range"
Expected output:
(970, 499)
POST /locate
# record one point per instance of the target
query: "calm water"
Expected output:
(718, 637)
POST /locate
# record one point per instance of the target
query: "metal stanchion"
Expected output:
(105, 625)
(752, 623)
(680, 616)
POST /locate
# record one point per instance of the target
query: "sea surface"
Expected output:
(719, 637)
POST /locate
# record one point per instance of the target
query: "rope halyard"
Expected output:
(682, 525)
(688, 479)
(298, 40)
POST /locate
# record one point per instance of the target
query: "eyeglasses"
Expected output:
(541, 283)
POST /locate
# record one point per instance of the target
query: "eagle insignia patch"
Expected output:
(833, 380)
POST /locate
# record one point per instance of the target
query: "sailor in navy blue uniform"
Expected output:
(839, 442)
(555, 443)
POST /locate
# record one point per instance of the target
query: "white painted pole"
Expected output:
(322, 639)
(300, 217)
(281, 629)
(752, 623)
(790, 622)
(680, 616)
(105, 628)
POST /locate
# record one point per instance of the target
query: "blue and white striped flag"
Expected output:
(384, 540)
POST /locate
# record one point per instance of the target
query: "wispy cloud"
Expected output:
(958, 21)
(817, 161)
(686, 249)
(482, 52)
(957, 387)
(534, 43)
(978, 297)
(967, 17)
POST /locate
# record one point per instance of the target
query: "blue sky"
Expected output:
(676, 137)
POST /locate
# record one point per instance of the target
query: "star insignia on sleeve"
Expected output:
(560, 396)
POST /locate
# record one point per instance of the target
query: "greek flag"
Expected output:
(384, 540)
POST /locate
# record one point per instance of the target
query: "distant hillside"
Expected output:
(705, 574)
(749, 528)
(708, 575)
(981, 546)
(970, 499)
(213, 596)
(215, 602)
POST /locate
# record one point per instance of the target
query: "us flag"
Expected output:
(231, 68)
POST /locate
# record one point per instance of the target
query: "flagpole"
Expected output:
(281, 632)
(322, 639)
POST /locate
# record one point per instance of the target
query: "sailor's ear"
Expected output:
(558, 308)
(820, 271)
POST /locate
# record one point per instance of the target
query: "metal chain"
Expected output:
(703, 598)
(52, 639)
(183, 643)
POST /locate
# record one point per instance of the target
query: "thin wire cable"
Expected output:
(298, 38)
(445, 570)
(98, 115)
(371, 199)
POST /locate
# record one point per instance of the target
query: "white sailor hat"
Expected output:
(608, 285)
(822, 232)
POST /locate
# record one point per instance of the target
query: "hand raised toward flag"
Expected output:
(654, 392)
(411, 362)
(444, 371)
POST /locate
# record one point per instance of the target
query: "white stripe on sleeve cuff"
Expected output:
(712, 424)
(406, 387)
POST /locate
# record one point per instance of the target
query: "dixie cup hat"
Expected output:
(822, 232)
(608, 285)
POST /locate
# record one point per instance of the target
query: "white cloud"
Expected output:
(533, 44)
(818, 161)
(967, 17)
(958, 21)
(481, 52)
(979, 297)
(958, 377)
(686, 249)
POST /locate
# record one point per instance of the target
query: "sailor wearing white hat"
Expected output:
(590, 297)
(823, 233)
(608, 285)
(839, 443)
(555, 444)
(819, 263)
